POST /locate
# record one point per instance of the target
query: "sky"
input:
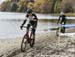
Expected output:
(1, 1)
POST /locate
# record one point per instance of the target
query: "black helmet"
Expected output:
(29, 11)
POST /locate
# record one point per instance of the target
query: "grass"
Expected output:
(70, 14)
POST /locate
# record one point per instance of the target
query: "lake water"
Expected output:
(10, 25)
(11, 28)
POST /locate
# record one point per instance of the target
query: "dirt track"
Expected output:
(45, 46)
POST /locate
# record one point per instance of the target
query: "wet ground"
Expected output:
(48, 46)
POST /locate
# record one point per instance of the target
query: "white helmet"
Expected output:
(62, 13)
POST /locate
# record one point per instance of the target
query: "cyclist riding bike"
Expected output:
(32, 18)
(62, 21)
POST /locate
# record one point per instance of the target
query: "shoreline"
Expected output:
(68, 30)
(21, 35)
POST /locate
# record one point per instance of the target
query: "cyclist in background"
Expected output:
(62, 20)
(32, 18)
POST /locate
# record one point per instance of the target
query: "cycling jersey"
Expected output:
(32, 17)
(32, 20)
(62, 18)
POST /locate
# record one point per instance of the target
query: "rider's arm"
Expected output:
(23, 24)
(36, 20)
(24, 21)
(59, 19)
(35, 17)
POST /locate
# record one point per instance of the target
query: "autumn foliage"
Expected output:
(39, 6)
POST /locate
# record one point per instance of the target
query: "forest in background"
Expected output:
(38, 6)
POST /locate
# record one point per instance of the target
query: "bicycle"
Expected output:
(27, 39)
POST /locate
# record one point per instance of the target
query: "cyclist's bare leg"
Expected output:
(27, 30)
(27, 33)
(33, 32)
(34, 39)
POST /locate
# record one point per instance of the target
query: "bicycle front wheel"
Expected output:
(24, 44)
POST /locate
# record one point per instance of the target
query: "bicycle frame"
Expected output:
(29, 39)
(30, 29)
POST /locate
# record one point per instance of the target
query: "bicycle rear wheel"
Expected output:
(24, 44)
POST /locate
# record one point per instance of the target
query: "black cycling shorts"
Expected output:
(33, 24)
